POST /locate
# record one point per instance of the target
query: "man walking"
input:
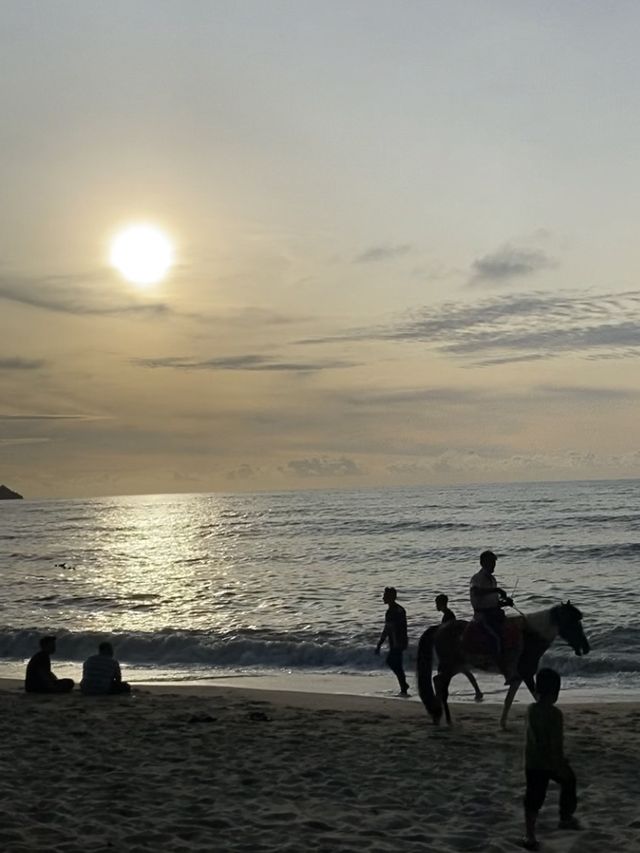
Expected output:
(395, 631)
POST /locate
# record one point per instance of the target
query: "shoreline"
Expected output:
(315, 699)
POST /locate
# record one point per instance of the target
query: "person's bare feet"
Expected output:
(530, 844)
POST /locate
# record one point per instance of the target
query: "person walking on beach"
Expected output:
(442, 606)
(39, 677)
(101, 674)
(545, 759)
(395, 631)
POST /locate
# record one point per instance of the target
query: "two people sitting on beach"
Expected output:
(101, 674)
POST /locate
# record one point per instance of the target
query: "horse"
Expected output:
(537, 632)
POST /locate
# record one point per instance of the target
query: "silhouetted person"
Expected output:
(442, 606)
(395, 631)
(101, 674)
(39, 678)
(487, 600)
(545, 760)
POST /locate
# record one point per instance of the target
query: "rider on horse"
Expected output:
(488, 601)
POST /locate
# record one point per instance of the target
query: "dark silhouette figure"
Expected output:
(101, 674)
(40, 678)
(488, 601)
(545, 760)
(442, 606)
(539, 630)
(395, 631)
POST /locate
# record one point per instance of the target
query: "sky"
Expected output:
(406, 242)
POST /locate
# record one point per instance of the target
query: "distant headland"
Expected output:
(6, 494)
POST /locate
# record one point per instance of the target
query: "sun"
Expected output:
(143, 254)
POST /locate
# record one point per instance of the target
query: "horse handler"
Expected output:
(395, 631)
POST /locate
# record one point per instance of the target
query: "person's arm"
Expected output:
(117, 675)
(383, 637)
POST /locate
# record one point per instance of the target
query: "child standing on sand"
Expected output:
(544, 758)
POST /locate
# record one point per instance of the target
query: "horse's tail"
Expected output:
(424, 665)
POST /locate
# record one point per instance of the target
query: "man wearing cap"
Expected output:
(488, 600)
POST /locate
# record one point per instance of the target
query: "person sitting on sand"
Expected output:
(101, 674)
(487, 600)
(395, 631)
(39, 677)
(545, 759)
(442, 606)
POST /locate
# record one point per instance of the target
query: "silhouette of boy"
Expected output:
(442, 606)
(545, 759)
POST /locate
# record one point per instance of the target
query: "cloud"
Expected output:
(243, 472)
(376, 254)
(79, 295)
(510, 262)
(17, 363)
(10, 441)
(50, 417)
(322, 467)
(249, 361)
(518, 327)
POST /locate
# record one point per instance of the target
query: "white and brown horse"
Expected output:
(536, 632)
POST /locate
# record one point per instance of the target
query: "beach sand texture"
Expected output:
(184, 769)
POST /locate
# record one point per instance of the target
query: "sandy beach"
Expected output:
(204, 769)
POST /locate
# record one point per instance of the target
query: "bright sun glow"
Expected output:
(142, 254)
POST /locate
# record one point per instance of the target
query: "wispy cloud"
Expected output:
(17, 363)
(376, 254)
(519, 327)
(322, 467)
(80, 295)
(4, 442)
(250, 361)
(510, 262)
(49, 417)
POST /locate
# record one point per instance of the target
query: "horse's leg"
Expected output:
(508, 702)
(472, 680)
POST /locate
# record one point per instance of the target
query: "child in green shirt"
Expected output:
(544, 758)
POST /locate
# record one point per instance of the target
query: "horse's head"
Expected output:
(568, 620)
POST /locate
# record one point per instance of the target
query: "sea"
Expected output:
(285, 588)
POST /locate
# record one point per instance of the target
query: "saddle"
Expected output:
(476, 641)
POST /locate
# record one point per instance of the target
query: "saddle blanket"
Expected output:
(475, 639)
